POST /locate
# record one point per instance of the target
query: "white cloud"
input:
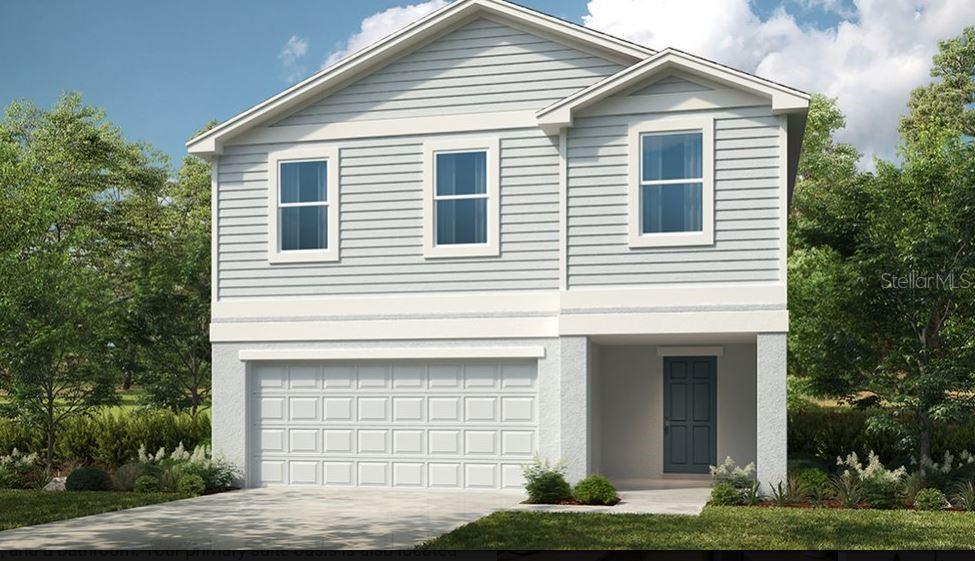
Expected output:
(290, 56)
(381, 24)
(869, 62)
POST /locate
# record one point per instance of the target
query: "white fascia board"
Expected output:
(385, 329)
(398, 43)
(690, 351)
(743, 295)
(412, 126)
(782, 98)
(393, 353)
(389, 306)
(662, 323)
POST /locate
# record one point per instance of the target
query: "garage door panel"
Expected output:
(303, 409)
(338, 376)
(304, 440)
(373, 409)
(444, 424)
(338, 409)
(409, 377)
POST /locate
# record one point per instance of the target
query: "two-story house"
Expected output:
(493, 234)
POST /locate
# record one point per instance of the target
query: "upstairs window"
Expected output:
(303, 206)
(303, 214)
(461, 198)
(671, 183)
(671, 191)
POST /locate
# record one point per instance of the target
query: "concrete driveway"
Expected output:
(271, 519)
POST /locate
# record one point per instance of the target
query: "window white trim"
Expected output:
(328, 154)
(634, 179)
(491, 247)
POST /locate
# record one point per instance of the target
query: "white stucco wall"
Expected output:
(771, 423)
(230, 414)
(630, 378)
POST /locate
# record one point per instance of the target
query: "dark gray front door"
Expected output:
(690, 434)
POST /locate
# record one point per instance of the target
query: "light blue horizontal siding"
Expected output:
(481, 66)
(380, 224)
(748, 228)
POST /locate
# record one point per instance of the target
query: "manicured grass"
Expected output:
(717, 528)
(26, 508)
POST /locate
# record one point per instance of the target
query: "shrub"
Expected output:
(111, 438)
(964, 496)
(880, 492)
(814, 482)
(752, 496)
(595, 490)
(950, 470)
(191, 485)
(847, 489)
(21, 471)
(824, 433)
(88, 479)
(725, 494)
(216, 473)
(930, 499)
(729, 472)
(124, 477)
(147, 484)
(544, 483)
(880, 487)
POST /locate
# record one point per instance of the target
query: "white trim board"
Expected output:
(690, 351)
(392, 353)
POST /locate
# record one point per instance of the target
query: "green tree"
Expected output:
(62, 173)
(169, 312)
(890, 310)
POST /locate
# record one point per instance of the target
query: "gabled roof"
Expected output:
(381, 52)
(784, 99)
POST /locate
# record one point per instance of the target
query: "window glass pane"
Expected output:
(461, 221)
(462, 173)
(303, 227)
(672, 156)
(671, 208)
(303, 182)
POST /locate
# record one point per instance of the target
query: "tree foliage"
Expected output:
(882, 270)
(60, 252)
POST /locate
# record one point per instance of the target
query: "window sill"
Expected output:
(461, 250)
(671, 239)
(303, 256)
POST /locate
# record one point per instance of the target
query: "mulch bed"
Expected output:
(572, 502)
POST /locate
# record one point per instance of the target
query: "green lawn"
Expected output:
(717, 528)
(26, 508)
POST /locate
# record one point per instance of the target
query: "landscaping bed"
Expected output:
(717, 528)
(20, 507)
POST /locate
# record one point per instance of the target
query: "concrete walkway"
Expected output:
(271, 519)
(649, 496)
(314, 518)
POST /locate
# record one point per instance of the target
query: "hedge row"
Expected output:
(823, 434)
(110, 438)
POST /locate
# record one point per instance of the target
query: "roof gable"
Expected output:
(783, 99)
(485, 65)
(379, 54)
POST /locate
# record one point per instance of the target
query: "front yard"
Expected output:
(26, 508)
(717, 528)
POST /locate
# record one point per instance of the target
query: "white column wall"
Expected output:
(574, 356)
(771, 452)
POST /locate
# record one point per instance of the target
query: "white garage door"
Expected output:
(393, 424)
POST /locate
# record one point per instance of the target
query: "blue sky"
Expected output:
(162, 69)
